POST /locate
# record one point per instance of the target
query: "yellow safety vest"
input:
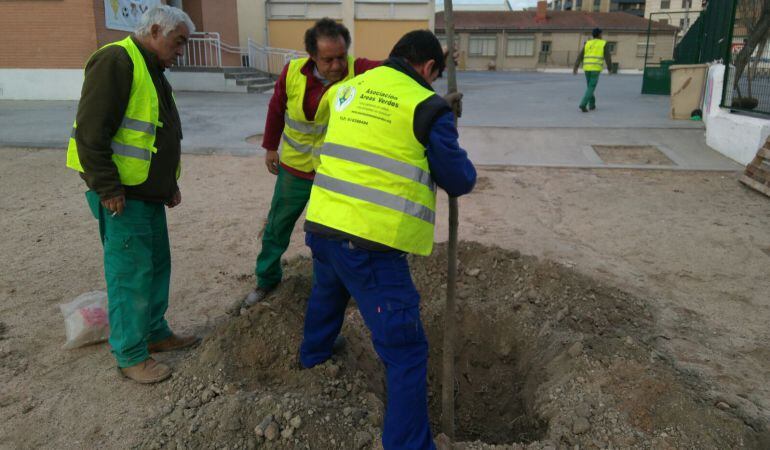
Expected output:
(374, 181)
(301, 137)
(134, 143)
(593, 55)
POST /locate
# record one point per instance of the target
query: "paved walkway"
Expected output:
(511, 118)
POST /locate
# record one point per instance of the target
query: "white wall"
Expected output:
(736, 136)
(202, 81)
(40, 84)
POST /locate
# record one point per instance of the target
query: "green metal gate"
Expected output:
(706, 40)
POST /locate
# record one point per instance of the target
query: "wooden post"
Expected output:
(448, 374)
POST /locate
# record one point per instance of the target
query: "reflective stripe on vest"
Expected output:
(593, 55)
(375, 196)
(134, 142)
(296, 146)
(380, 162)
(302, 137)
(130, 151)
(374, 181)
(303, 127)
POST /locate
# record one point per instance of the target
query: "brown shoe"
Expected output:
(146, 372)
(173, 342)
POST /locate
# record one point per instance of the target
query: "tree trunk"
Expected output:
(760, 33)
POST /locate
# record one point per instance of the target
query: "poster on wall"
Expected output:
(125, 14)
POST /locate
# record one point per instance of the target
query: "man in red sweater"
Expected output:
(295, 120)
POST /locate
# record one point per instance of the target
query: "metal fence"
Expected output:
(558, 58)
(708, 38)
(270, 59)
(656, 79)
(207, 51)
(202, 50)
(747, 85)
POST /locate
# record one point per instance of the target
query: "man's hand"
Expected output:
(115, 204)
(455, 100)
(455, 55)
(176, 199)
(271, 161)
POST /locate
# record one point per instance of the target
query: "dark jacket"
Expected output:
(434, 127)
(103, 102)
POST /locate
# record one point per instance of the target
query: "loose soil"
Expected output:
(640, 321)
(546, 357)
(632, 154)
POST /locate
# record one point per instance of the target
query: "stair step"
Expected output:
(251, 80)
(259, 88)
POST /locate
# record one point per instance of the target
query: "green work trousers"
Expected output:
(289, 199)
(137, 268)
(589, 99)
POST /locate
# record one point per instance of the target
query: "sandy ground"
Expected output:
(696, 243)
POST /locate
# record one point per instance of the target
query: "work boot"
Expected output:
(173, 342)
(591, 107)
(251, 299)
(339, 344)
(256, 296)
(583, 108)
(298, 362)
(146, 372)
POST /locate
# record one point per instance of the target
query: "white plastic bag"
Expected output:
(85, 319)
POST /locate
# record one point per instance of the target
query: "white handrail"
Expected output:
(204, 49)
(270, 59)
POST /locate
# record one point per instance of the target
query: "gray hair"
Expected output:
(167, 17)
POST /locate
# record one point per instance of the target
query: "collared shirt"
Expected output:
(313, 92)
(103, 102)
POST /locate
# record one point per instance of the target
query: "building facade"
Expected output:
(375, 25)
(679, 13)
(581, 5)
(45, 44)
(524, 40)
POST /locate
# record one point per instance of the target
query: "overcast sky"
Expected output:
(517, 5)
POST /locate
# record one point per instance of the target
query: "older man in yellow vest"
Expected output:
(126, 146)
(593, 56)
(296, 121)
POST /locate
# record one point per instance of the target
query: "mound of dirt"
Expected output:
(546, 358)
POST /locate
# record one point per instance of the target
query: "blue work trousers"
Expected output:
(390, 305)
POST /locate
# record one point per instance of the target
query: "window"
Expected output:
(545, 47)
(640, 49)
(686, 4)
(597, 5)
(578, 4)
(482, 46)
(665, 4)
(521, 46)
(612, 46)
(684, 23)
(663, 21)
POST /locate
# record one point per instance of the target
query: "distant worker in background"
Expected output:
(593, 56)
(296, 119)
(126, 144)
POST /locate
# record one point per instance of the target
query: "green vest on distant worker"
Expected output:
(301, 137)
(593, 55)
(374, 181)
(134, 143)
